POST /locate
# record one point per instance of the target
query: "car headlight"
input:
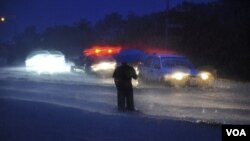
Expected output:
(205, 75)
(103, 66)
(205, 78)
(179, 76)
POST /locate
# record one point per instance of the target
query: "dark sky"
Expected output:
(44, 13)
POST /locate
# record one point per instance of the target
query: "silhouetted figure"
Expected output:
(123, 75)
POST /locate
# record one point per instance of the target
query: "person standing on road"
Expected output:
(123, 75)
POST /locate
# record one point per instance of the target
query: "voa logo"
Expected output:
(236, 132)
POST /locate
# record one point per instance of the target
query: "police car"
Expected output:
(175, 70)
(98, 59)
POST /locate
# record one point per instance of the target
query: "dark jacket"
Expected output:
(123, 75)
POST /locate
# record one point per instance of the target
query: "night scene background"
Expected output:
(210, 32)
(80, 106)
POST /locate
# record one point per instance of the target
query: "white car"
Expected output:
(46, 62)
(175, 70)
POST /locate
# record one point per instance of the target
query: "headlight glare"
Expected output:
(205, 75)
(103, 66)
(179, 76)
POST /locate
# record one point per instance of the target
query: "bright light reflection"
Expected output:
(104, 66)
(2, 19)
(178, 75)
(46, 62)
(204, 75)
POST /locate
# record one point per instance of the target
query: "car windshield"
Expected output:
(176, 61)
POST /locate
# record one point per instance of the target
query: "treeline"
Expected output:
(215, 34)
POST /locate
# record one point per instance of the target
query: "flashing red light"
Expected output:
(97, 51)
(102, 50)
(110, 51)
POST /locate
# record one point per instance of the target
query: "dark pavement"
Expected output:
(35, 121)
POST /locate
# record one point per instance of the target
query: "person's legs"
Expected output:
(130, 100)
(120, 100)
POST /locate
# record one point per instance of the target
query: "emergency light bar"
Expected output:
(102, 50)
